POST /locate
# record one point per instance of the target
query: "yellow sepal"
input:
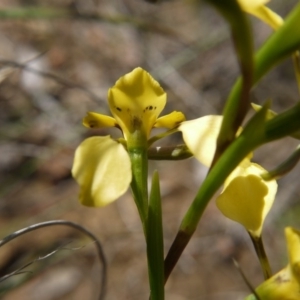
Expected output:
(97, 165)
(94, 120)
(171, 120)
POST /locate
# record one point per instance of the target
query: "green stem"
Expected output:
(139, 185)
(261, 254)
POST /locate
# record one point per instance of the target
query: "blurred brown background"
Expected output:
(188, 50)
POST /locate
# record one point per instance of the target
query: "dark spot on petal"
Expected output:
(92, 124)
(118, 108)
(150, 107)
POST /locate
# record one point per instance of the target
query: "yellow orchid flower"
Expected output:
(259, 10)
(285, 285)
(102, 166)
(246, 198)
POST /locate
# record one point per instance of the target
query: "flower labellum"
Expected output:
(136, 101)
(246, 197)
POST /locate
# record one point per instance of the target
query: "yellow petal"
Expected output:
(136, 100)
(251, 4)
(94, 120)
(200, 135)
(293, 242)
(171, 120)
(247, 198)
(102, 168)
(257, 8)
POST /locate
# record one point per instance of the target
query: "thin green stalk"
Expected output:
(139, 185)
(261, 254)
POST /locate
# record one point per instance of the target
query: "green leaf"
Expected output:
(155, 246)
